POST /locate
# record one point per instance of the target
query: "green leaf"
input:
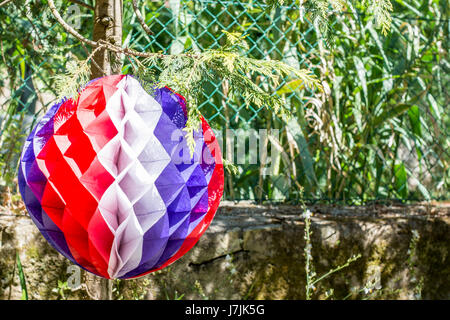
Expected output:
(22, 68)
(414, 119)
(434, 106)
(188, 43)
(361, 70)
(389, 114)
(401, 180)
(291, 86)
(307, 161)
(23, 283)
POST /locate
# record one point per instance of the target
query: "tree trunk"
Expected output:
(108, 27)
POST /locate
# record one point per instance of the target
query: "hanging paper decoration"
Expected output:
(110, 182)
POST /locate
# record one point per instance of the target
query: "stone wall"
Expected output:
(256, 252)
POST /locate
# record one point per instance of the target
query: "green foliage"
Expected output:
(12, 130)
(31, 54)
(312, 279)
(62, 290)
(28, 39)
(320, 10)
(378, 130)
(23, 281)
(381, 96)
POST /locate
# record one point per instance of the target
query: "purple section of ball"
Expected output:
(32, 183)
(183, 185)
(172, 189)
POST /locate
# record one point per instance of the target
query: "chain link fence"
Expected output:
(353, 143)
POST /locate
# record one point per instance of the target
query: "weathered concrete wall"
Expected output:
(256, 252)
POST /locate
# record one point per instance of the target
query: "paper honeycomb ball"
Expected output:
(109, 180)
